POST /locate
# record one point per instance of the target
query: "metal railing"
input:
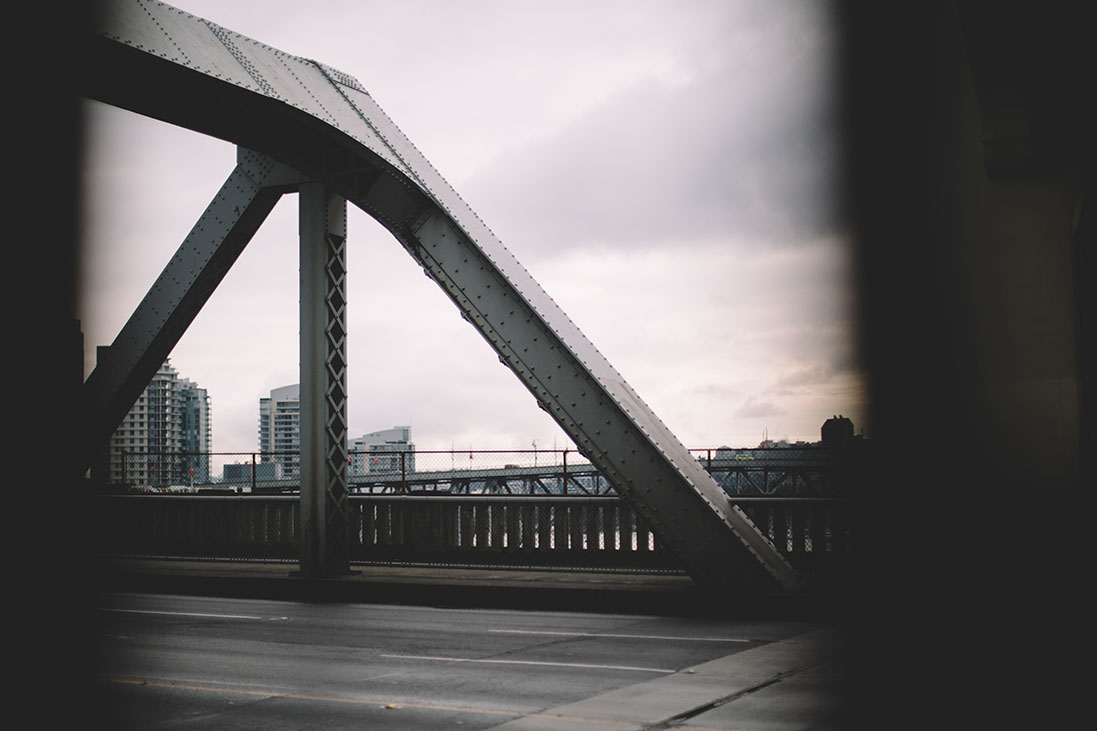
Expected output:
(816, 534)
(527, 508)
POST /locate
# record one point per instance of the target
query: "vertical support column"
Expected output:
(325, 521)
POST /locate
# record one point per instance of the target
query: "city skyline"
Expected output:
(665, 182)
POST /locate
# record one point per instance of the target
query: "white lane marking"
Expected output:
(612, 634)
(388, 704)
(192, 614)
(491, 661)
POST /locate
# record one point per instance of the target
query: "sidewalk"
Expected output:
(791, 684)
(603, 591)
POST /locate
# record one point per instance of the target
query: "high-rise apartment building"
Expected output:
(280, 429)
(197, 431)
(165, 438)
(388, 451)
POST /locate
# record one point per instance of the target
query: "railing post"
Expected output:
(565, 471)
(404, 472)
(254, 469)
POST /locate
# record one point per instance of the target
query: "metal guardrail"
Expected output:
(815, 534)
(547, 508)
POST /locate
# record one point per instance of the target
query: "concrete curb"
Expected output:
(618, 592)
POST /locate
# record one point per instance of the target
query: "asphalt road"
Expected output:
(190, 662)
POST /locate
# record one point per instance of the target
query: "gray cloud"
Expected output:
(660, 168)
(745, 148)
(753, 408)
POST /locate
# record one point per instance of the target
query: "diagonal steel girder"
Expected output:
(125, 368)
(161, 62)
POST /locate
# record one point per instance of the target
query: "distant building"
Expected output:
(280, 429)
(773, 444)
(240, 473)
(165, 438)
(197, 430)
(837, 431)
(280, 440)
(236, 473)
(388, 451)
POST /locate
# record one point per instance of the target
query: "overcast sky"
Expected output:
(662, 168)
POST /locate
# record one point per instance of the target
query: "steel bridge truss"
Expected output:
(301, 123)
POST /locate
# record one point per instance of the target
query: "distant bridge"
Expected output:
(760, 472)
(773, 472)
(558, 479)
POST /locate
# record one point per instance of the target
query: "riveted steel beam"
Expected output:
(325, 546)
(611, 426)
(323, 123)
(125, 368)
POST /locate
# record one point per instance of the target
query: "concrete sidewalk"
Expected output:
(616, 591)
(791, 684)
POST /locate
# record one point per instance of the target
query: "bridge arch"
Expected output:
(296, 120)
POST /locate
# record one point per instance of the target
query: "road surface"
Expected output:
(213, 663)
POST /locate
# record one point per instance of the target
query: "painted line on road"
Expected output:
(385, 704)
(193, 614)
(543, 663)
(617, 635)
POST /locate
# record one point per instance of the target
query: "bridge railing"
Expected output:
(518, 507)
(816, 534)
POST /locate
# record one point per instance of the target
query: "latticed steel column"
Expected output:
(324, 511)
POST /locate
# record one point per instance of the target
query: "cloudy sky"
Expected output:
(664, 169)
